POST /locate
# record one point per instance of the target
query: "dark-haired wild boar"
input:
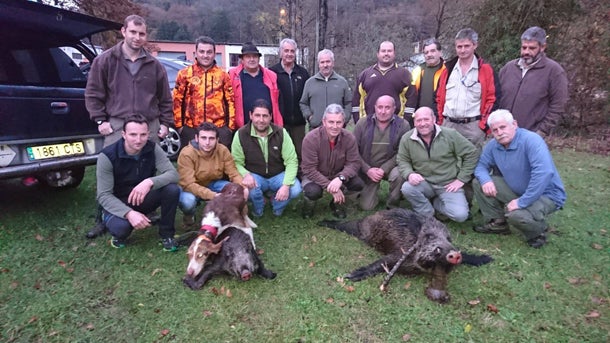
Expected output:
(236, 257)
(395, 231)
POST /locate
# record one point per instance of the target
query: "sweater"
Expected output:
(451, 157)
(527, 167)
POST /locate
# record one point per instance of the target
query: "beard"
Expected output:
(529, 60)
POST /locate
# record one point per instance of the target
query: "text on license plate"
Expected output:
(55, 150)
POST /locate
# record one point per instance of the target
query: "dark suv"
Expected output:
(45, 130)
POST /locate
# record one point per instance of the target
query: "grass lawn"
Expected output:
(57, 286)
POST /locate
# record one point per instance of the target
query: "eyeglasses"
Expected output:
(463, 81)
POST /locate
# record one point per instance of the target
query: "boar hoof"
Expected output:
(440, 296)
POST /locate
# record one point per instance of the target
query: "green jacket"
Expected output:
(288, 152)
(451, 157)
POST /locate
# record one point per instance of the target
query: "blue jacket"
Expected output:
(527, 167)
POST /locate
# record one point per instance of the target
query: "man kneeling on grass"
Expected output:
(516, 181)
(134, 176)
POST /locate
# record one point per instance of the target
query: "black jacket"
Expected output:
(291, 88)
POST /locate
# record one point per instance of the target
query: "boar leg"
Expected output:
(436, 290)
(262, 271)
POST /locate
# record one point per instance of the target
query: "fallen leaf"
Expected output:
(90, 326)
(341, 304)
(406, 337)
(4, 270)
(39, 238)
(407, 285)
(32, 319)
(228, 293)
(215, 291)
(260, 251)
(576, 281)
(207, 313)
(70, 270)
(157, 310)
(349, 288)
(603, 231)
(330, 300)
(492, 308)
(164, 332)
(314, 239)
(474, 302)
(597, 246)
(37, 285)
(467, 328)
(340, 279)
(547, 285)
(311, 264)
(62, 263)
(598, 301)
(154, 272)
(592, 314)
(53, 333)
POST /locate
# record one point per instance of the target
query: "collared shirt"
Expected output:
(525, 67)
(134, 66)
(463, 97)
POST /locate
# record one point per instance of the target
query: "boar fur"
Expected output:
(395, 231)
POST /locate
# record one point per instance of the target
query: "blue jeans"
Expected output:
(189, 201)
(271, 185)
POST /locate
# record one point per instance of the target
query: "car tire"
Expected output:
(171, 144)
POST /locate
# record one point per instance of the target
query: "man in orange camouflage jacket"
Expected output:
(203, 93)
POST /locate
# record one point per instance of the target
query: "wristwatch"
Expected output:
(342, 178)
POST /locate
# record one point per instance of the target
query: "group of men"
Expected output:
(260, 116)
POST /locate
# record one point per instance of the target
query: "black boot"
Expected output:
(99, 228)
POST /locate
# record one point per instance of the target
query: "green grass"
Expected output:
(57, 286)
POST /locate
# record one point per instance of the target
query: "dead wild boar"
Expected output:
(395, 231)
(236, 257)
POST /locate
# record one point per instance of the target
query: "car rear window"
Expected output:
(39, 67)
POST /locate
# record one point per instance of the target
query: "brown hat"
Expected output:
(249, 48)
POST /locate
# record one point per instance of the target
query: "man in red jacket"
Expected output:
(466, 92)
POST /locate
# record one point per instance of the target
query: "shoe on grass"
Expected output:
(98, 230)
(117, 243)
(537, 241)
(337, 210)
(495, 226)
(188, 220)
(169, 244)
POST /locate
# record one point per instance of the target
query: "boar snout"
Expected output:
(454, 257)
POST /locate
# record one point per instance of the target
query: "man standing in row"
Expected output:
(436, 162)
(291, 79)
(378, 136)
(267, 160)
(134, 177)
(534, 87)
(527, 188)
(325, 88)
(203, 93)
(250, 82)
(427, 75)
(330, 163)
(466, 92)
(123, 80)
(384, 77)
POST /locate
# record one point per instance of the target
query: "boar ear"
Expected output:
(215, 248)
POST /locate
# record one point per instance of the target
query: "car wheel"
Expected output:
(63, 179)
(171, 144)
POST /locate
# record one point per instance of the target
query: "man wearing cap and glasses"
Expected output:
(534, 87)
(251, 81)
(466, 92)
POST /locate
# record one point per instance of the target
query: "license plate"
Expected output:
(55, 150)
